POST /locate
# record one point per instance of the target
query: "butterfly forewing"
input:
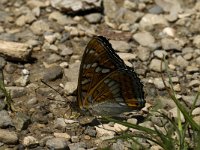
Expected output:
(97, 62)
(105, 81)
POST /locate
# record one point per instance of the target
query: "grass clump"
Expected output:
(7, 98)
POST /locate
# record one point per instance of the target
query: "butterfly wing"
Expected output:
(100, 64)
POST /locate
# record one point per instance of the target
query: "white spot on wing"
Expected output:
(123, 104)
(85, 81)
(91, 51)
(117, 95)
(94, 64)
(86, 50)
(114, 86)
(120, 100)
(106, 80)
(84, 66)
(105, 70)
(88, 66)
(111, 83)
(90, 98)
(98, 69)
(115, 91)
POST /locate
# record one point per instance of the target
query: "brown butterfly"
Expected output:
(106, 86)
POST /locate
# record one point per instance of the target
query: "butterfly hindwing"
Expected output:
(117, 91)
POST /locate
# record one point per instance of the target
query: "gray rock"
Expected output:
(62, 135)
(104, 134)
(188, 56)
(197, 119)
(131, 17)
(130, 5)
(110, 8)
(174, 113)
(192, 69)
(1, 29)
(60, 18)
(2, 62)
(53, 58)
(40, 27)
(119, 145)
(59, 123)
(28, 18)
(194, 83)
(32, 42)
(198, 61)
(37, 3)
(148, 21)
(155, 9)
(121, 46)
(53, 47)
(74, 139)
(143, 53)
(90, 131)
(170, 44)
(144, 38)
(177, 88)
(51, 38)
(52, 73)
(166, 102)
(77, 146)
(160, 53)
(10, 68)
(23, 80)
(132, 121)
(64, 65)
(5, 119)
(155, 65)
(127, 56)
(36, 11)
(57, 144)
(169, 31)
(147, 124)
(189, 100)
(65, 51)
(196, 111)
(159, 83)
(86, 120)
(30, 141)
(173, 7)
(8, 137)
(76, 5)
(93, 18)
(70, 87)
(196, 41)
(180, 61)
(72, 72)
(4, 16)
(21, 121)
(32, 101)
(16, 92)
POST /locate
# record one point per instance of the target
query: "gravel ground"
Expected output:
(55, 33)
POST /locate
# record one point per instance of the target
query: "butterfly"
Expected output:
(106, 85)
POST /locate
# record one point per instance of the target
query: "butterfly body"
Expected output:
(106, 85)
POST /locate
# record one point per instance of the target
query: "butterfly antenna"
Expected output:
(61, 94)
